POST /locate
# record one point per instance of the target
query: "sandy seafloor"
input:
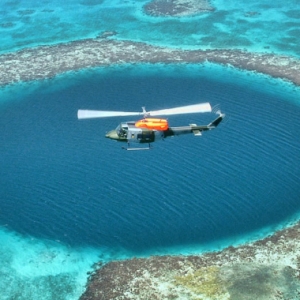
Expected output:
(36, 268)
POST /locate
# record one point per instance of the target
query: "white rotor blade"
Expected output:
(87, 114)
(196, 108)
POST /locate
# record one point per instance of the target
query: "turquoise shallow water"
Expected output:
(242, 25)
(69, 197)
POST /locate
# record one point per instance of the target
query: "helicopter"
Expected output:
(149, 129)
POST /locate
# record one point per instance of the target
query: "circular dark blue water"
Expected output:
(62, 180)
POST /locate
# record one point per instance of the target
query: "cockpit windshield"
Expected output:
(122, 130)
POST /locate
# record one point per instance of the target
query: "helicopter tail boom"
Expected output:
(193, 128)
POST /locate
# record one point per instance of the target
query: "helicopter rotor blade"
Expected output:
(196, 108)
(88, 114)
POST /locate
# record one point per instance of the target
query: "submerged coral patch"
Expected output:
(25, 12)
(91, 2)
(177, 7)
(7, 25)
(204, 281)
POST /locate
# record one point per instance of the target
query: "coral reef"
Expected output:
(48, 61)
(265, 269)
(205, 281)
(177, 8)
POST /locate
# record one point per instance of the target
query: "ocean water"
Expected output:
(242, 25)
(69, 197)
(67, 192)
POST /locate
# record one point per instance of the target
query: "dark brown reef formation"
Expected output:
(177, 8)
(266, 269)
(48, 61)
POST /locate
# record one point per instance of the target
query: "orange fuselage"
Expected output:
(150, 123)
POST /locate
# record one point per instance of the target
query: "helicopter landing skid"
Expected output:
(136, 149)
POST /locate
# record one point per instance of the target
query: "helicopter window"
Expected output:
(122, 130)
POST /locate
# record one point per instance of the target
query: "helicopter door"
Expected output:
(140, 135)
(132, 135)
(146, 136)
